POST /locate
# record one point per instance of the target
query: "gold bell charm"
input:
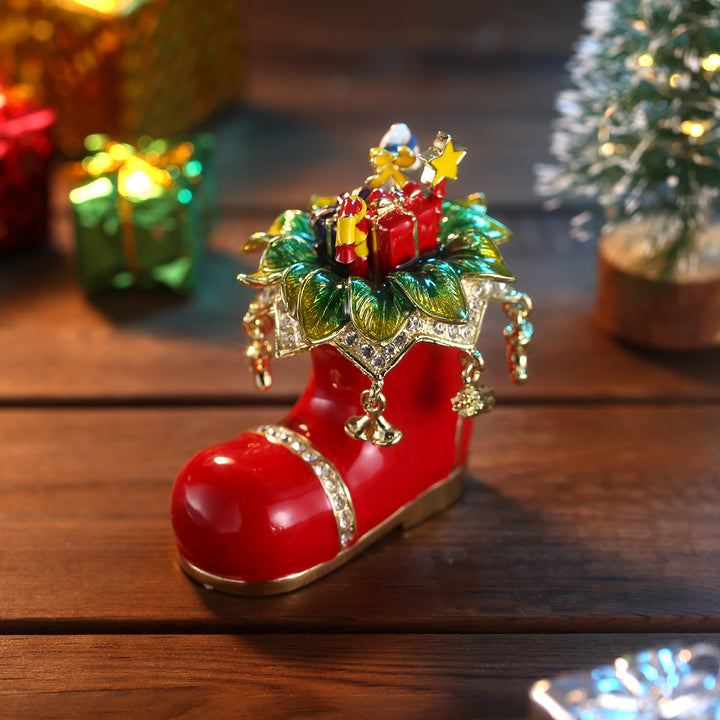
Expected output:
(373, 426)
(475, 397)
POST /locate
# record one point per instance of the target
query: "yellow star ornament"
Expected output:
(441, 159)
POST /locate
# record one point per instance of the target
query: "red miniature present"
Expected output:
(405, 226)
(25, 150)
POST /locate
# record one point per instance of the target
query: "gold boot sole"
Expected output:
(436, 498)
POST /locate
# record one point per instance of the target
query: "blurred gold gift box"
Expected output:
(125, 68)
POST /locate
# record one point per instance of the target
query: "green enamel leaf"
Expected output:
(286, 251)
(469, 263)
(460, 217)
(293, 280)
(435, 289)
(474, 241)
(293, 222)
(280, 254)
(377, 312)
(258, 241)
(478, 255)
(322, 305)
(259, 278)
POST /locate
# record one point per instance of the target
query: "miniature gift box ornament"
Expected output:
(142, 214)
(25, 151)
(126, 68)
(387, 286)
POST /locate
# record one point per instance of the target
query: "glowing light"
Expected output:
(711, 63)
(674, 80)
(193, 168)
(694, 129)
(3, 100)
(137, 183)
(107, 7)
(221, 460)
(184, 196)
(646, 60)
(118, 151)
(139, 178)
(639, 25)
(607, 149)
(99, 164)
(102, 187)
(576, 696)
(95, 142)
(160, 146)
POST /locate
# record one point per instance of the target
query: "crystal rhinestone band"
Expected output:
(330, 479)
(376, 358)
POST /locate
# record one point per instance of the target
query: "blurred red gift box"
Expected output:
(25, 150)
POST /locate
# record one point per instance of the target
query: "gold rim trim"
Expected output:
(436, 498)
(330, 479)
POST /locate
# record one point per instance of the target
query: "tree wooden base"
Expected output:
(680, 314)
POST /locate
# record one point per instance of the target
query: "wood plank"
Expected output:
(594, 517)
(294, 139)
(281, 676)
(59, 346)
(319, 94)
(382, 32)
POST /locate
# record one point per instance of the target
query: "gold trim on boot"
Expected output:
(436, 498)
(330, 479)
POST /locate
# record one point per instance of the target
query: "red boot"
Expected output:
(369, 446)
(282, 505)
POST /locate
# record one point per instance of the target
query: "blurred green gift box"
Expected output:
(142, 214)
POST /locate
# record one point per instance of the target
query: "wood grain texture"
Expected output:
(291, 676)
(592, 517)
(382, 32)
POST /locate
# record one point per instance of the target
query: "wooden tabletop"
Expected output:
(588, 527)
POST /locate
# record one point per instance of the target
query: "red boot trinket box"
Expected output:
(387, 287)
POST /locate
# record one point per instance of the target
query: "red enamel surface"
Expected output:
(427, 211)
(393, 233)
(249, 509)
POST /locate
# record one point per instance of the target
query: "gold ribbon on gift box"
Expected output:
(138, 175)
(389, 165)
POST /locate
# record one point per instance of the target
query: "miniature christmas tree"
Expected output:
(640, 131)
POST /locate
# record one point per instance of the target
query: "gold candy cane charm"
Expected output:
(258, 324)
(518, 333)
